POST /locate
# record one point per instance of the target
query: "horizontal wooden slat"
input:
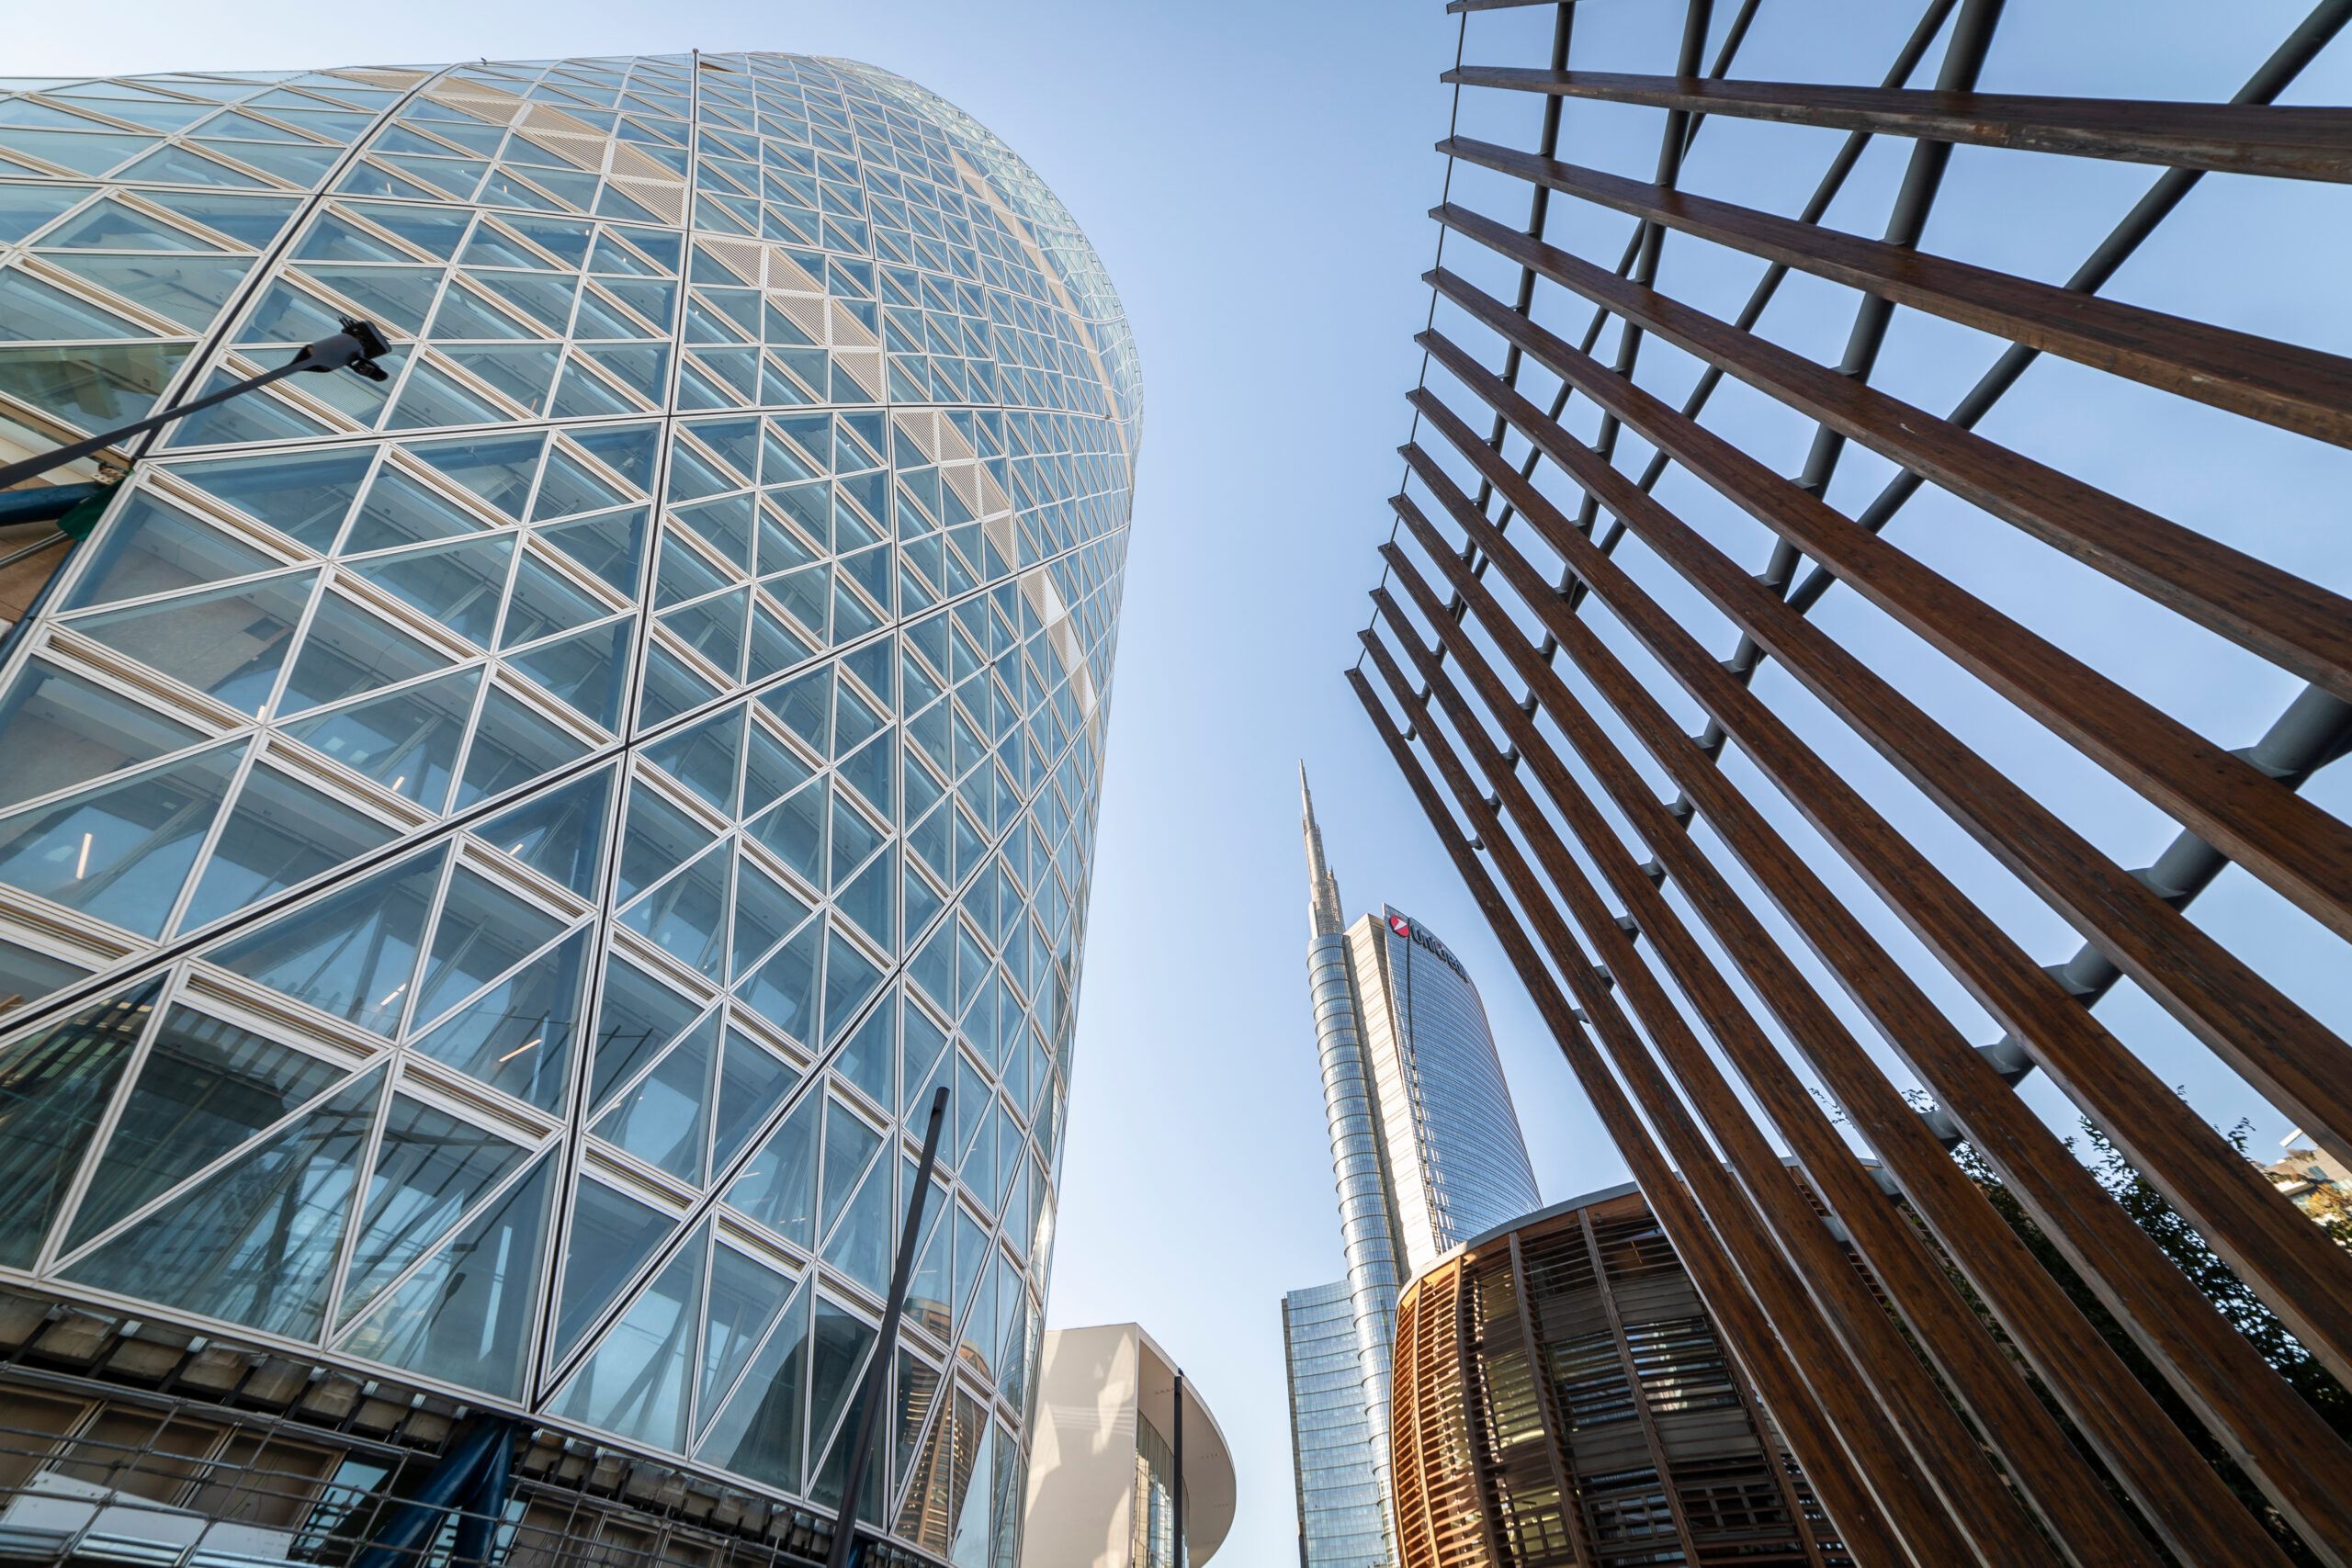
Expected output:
(2296, 624)
(2294, 142)
(2297, 388)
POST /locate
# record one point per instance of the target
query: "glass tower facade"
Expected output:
(1426, 1153)
(1340, 1522)
(494, 864)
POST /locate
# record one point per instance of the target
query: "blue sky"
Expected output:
(1255, 178)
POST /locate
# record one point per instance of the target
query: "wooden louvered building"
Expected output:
(1562, 1397)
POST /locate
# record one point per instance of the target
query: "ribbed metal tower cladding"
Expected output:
(1367, 1228)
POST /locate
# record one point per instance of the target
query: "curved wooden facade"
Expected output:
(1562, 1397)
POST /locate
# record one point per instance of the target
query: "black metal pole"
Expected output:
(354, 347)
(885, 1342)
(1176, 1504)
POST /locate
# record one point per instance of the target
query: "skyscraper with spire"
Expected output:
(1426, 1153)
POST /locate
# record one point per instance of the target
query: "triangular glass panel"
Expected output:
(853, 839)
(778, 1188)
(459, 585)
(91, 387)
(758, 1434)
(304, 496)
(55, 1085)
(970, 1545)
(871, 1055)
(751, 1084)
(523, 371)
(483, 932)
(433, 399)
(512, 746)
(465, 1317)
(764, 914)
(226, 642)
(705, 758)
(636, 1384)
(659, 839)
(769, 771)
(351, 954)
(568, 487)
(400, 511)
(560, 834)
(612, 1236)
(643, 369)
(589, 670)
(840, 1345)
(406, 740)
(431, 1172)
(664, 1120)
(725, 524)
(499, 469)
(782, 990)
(58, 730)
(206, 1087)
(628, 450)
(190, 290)
(714, 628)
(397, 298)
(612, 546)
(638, 1017)
(686, 916)
(254, 1243)
(794, 832)
(671, 688)
(545, 602)
(281, 832)
(349, 650)
(870, 900)
(746, 1297)
(804, 704)
(860, 1248)
(517, 1035)
(923, 904)
(120, 852)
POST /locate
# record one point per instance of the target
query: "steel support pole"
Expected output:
(1176, 1500)
(886, 1342)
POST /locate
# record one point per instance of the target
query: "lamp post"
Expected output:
(356, 348)
(1176, 1504)
(885, 1342)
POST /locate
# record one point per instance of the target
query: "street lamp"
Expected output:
(356, 348)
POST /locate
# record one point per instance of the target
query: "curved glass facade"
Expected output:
(493, 865)
(1454, 1153)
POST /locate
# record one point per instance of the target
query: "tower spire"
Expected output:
(1323, 917)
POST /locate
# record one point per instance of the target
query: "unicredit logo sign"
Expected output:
(1421, 938)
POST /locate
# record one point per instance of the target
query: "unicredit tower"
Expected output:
(495, 862)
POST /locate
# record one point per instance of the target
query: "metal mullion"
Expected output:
(86, 1170)
(205, 1172)
(1847, 1501)
(337, 1331)
(194, 876)
(356, 1213)
(1636, 1389)
(427, 933)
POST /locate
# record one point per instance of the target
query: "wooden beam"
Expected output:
(2295, 623)
(2298, 389)
(2297, 142)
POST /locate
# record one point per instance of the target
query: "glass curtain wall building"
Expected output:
(494, 864)
(1338, 1499)
(1425, 1152)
